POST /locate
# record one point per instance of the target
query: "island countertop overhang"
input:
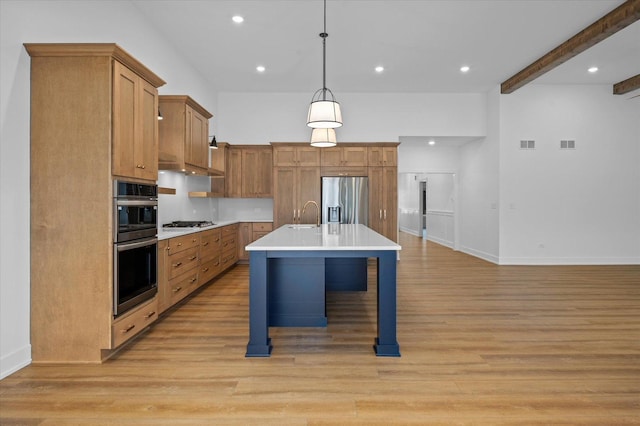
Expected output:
(346, 237)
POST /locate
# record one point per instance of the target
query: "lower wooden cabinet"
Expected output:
(131, 324)
(248, 232)
(190, 261)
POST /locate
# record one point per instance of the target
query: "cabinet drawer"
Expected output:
(182, 262)
(210, 243)
(128, 326)
(182, 243)
(229, 230)
(258, 235)
(180, 287)
(208, 270)
(228, 258)
(228, 242)
(262, 226)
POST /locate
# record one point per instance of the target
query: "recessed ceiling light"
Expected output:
(260, 68)
(379, 68)
(593, 69)
(432, 142)
(464, 68)
(237, 19)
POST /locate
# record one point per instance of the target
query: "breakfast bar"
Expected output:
(288, 272)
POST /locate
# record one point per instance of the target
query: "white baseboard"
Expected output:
(15, 361)
(480, 254)
(410, 231)
(440, 241)
(569, 261)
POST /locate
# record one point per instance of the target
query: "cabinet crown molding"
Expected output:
(186, 99)
(94, 49)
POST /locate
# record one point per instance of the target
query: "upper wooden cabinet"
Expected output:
(345, 155)
(135, 125)
(249, 170)
(383, 156)
(93, 119)
(183, 135)
(285, 155)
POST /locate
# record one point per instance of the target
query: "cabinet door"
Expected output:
(376, 199)
(308, 189)
(354, 156)
(331, 157)
(147, 146)
(284, 200)
(257, 172)
(375, 156)
(284, 156)
(390, 156)
(233, 174)
(197, 145)
(390, 211)
(124, 115)
(245, 233)
(308, 156)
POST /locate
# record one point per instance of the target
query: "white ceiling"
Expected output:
(421, 43)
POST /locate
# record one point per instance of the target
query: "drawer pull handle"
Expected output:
(128, 329)
(177, 289)
(205, 244)
(175, 265)
(193, 280)
(150, 314)
(205, 269)
(193, 258)
(179, 244)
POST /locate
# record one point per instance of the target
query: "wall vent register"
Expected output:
(567, 144)
(527, 144)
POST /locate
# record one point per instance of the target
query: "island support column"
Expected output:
(386, 343)
(259, 341)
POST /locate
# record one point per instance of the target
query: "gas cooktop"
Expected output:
(188, 224)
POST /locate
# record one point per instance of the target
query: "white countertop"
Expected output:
(164, 234)
(326, 237)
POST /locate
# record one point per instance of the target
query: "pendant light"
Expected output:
(324, 111)
(323, 138)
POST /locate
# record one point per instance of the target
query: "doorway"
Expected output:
(427, 206)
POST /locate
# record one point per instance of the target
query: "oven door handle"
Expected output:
(136, 244)
(136, 202)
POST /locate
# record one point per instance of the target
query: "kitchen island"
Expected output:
(287, 270)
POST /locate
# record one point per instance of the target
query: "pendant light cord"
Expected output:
(324, 36)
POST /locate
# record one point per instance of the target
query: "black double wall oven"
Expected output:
(135, 248)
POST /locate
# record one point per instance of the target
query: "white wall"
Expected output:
(479, 189)
(577, 206)
(49, 22)
(260, 118)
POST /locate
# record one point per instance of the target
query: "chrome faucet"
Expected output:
(317, 210)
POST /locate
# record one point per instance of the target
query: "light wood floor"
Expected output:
(480, 344)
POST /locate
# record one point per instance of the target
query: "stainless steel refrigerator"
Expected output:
(345, 200)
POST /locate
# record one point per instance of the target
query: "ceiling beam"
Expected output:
(619, 18)
(626, 86)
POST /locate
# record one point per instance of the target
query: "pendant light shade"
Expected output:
(324, 114)
(324, 111)
(323, 138)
